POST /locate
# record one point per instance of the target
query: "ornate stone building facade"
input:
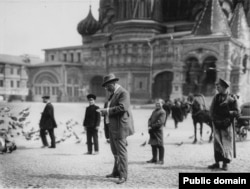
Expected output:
(66, 76)
(157, 48)
(14, 77)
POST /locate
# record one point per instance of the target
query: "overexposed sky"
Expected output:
(29, 26)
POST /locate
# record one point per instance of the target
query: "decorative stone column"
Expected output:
(130, 82)
(177, 83)
(63, 89)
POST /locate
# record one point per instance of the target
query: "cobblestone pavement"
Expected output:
(66, 166)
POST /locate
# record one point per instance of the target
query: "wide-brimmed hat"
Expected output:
(109, 78)
(223, 83)
(89, 96)
(45, 97)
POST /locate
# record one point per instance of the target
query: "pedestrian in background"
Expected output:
(47, 123)
(177, 113)
(167, 107)
(224, 108)
(155, 128)
(185, 108)
(119, 118)
(91, 124)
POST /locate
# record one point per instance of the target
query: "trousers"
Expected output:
(44, 138)
(155, 149)
(119, 151)
(92, 133)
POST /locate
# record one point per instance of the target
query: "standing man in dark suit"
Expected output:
(118, 116)
(47, 123)
(91, 124)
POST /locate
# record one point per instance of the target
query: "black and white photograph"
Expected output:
(124, 94)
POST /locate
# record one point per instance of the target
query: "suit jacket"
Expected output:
(120, 114)
(92, 117)
(47, 120)
(222, 105)
(156, 122)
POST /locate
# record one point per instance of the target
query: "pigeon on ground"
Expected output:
(179, 144)
(144, 143)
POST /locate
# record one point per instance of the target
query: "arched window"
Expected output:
(209, 70)
(46, 84)
(192, 76)
(209, 75)
(162, 87)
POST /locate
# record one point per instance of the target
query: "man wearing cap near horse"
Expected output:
(47, 123)
(91, 124)
(223, 109)
(120, 122)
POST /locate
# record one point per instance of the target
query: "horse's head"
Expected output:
(195, 106)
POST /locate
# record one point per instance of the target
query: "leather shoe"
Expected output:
(121, 180)
(151, 161)
(112, 176)
(224, 167)
(214, 166)
(160, 162)
(52, 147)
(87, 153)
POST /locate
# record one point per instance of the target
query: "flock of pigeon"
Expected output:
(12, 126)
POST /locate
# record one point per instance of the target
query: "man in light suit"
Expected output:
(119, 119)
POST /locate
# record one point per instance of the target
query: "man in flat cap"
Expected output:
(119, 119)
(223, 109)
(91, 124)
(47, 123)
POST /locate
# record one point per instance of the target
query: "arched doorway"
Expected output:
(192, 76)
(209, 76)
(162, 87)
(46, 84)
(96, 86)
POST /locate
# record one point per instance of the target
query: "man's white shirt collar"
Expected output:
(117, 86)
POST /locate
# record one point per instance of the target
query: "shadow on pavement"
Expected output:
(61, 154)
(182, 168)
(25, 148)
(187, 143)
(137, 163)
(73, 177)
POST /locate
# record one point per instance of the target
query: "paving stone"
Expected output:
(66, 166)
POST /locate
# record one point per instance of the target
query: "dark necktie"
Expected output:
(110, 96)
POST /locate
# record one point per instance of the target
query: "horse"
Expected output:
(200, 115)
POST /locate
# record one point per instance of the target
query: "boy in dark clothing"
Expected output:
(91, 124)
